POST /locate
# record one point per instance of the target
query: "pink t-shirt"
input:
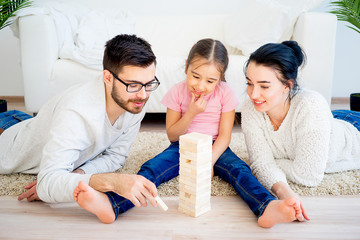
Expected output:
(222, 99)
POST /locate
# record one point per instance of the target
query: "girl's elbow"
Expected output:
(172, 138)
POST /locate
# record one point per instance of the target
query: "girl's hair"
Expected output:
(124, 50)
(285, 57)
(212, 50)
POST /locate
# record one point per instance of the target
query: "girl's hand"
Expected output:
(197, 106)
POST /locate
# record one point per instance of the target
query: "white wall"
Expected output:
(347, 63)
(10, 72)
(346, 79)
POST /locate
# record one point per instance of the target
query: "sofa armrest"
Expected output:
(316, 33)
(39, 51)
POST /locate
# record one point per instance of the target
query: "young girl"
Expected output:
(204, 103)
(290, 132)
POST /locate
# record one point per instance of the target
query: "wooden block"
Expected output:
(194, 213)
(191, 176)
(191, 189)
(189, 167)
(201, 147)
(194, 207)
(195, 138)
(196, 156)
(193, 173)
(194, 165)
(196, 184)
(187, 212)
(161, 203)
(195, 198)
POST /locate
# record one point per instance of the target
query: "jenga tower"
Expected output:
(195, 173)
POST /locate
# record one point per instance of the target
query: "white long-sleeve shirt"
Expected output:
(70, 131)
(308, 143)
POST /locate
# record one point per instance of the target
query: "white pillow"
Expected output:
(258, 22)
(95, 29)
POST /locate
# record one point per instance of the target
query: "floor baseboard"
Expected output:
(340, 100)
(13, 99)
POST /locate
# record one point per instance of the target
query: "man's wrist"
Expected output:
(103, 182)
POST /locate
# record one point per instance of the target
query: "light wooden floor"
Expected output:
(331, 217)
(229, 218)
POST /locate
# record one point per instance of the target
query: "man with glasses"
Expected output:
(85, 133)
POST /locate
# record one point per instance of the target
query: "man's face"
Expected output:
(132, 102)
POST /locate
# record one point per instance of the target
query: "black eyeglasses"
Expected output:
(136, 87)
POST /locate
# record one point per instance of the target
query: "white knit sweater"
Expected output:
(308, 143)
(70, 131)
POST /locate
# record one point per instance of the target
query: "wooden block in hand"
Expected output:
(161, 203)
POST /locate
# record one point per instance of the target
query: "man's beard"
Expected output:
(125, 104)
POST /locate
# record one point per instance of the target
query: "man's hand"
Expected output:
(136, 188)
(30, 194)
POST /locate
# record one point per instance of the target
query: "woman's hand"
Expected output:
(301, 215)
(283, 191)
(30, 194)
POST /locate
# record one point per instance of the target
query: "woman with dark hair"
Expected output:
(290, 132)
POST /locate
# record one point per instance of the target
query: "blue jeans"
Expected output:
(229, 167)
(349, 116)
(10, 118)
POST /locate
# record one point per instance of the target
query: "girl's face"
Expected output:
(202, 77)
(264, 88)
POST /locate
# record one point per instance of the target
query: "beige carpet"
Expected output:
(148, 144)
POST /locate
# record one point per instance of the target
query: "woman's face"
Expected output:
(264, 88)
(202, 77)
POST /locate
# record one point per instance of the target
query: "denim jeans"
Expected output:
(349, 116)
(10, 118)
(229, 167)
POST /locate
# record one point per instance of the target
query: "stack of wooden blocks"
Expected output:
(195, 173)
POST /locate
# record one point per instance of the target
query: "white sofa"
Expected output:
(171, 37)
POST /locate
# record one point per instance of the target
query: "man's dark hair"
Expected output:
(124, 50)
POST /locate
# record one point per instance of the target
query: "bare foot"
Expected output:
(279, 211)
(94, 202)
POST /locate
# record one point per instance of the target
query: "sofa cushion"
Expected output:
(258, 22)
(175, 35)
(95, 29)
